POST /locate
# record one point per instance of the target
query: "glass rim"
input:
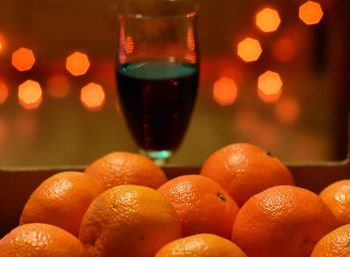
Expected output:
(122, 11)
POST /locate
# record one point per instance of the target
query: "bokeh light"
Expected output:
(58, 86)
(249, 120)
(271, 98)
(284, 49)
(2, 43)
(4, 92)
(268, 20)
(23, 59)
(310, 12)
(269, 86)
(30, 94)
(270, 83)
(92, 96)
(287, 110)
(26, 126)
(225, 91)
(77, 63)
(249, 49)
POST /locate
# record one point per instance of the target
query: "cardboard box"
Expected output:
(17, 185)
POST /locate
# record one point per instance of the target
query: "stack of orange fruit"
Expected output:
(243, 203)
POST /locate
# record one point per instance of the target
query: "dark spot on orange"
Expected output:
(348, 244)
(222, 197)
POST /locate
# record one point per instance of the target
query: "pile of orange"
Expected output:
(243, 203)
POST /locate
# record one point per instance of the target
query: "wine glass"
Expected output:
(157, 72)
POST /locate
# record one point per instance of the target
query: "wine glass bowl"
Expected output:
(157, 72)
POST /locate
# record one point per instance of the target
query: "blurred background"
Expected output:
(273, 73)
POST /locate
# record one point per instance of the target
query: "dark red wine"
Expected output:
(157, 98)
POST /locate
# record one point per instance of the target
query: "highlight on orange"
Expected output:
(225, 91)
(58, 86)
(92, 96)
(249, 49)
(4, 92)
(268, 20)
(77, 63)
(287, 110)
(30, 94)
(269, 86)
(310, 12)
(23, 59)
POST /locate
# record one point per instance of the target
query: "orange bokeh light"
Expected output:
(310, 12)
(4, 92)
(58, 86)
(30, 94)
(270, 83)
(23, 59)
(77, 63)
(249, 49)
(284, 49)
(268, 20)
(269, 98)
(287, 110)
(225, 91)
(2, 43)
(92, 96)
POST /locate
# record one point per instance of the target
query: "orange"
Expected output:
(201, 204)
(337, 197)
(119, 168)
(40, 240)
(283, 221)
(62, 200)
(334, 244)
(201, 245)
(129, 221)
(244, 170)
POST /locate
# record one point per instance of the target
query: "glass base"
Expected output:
(159, 157)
